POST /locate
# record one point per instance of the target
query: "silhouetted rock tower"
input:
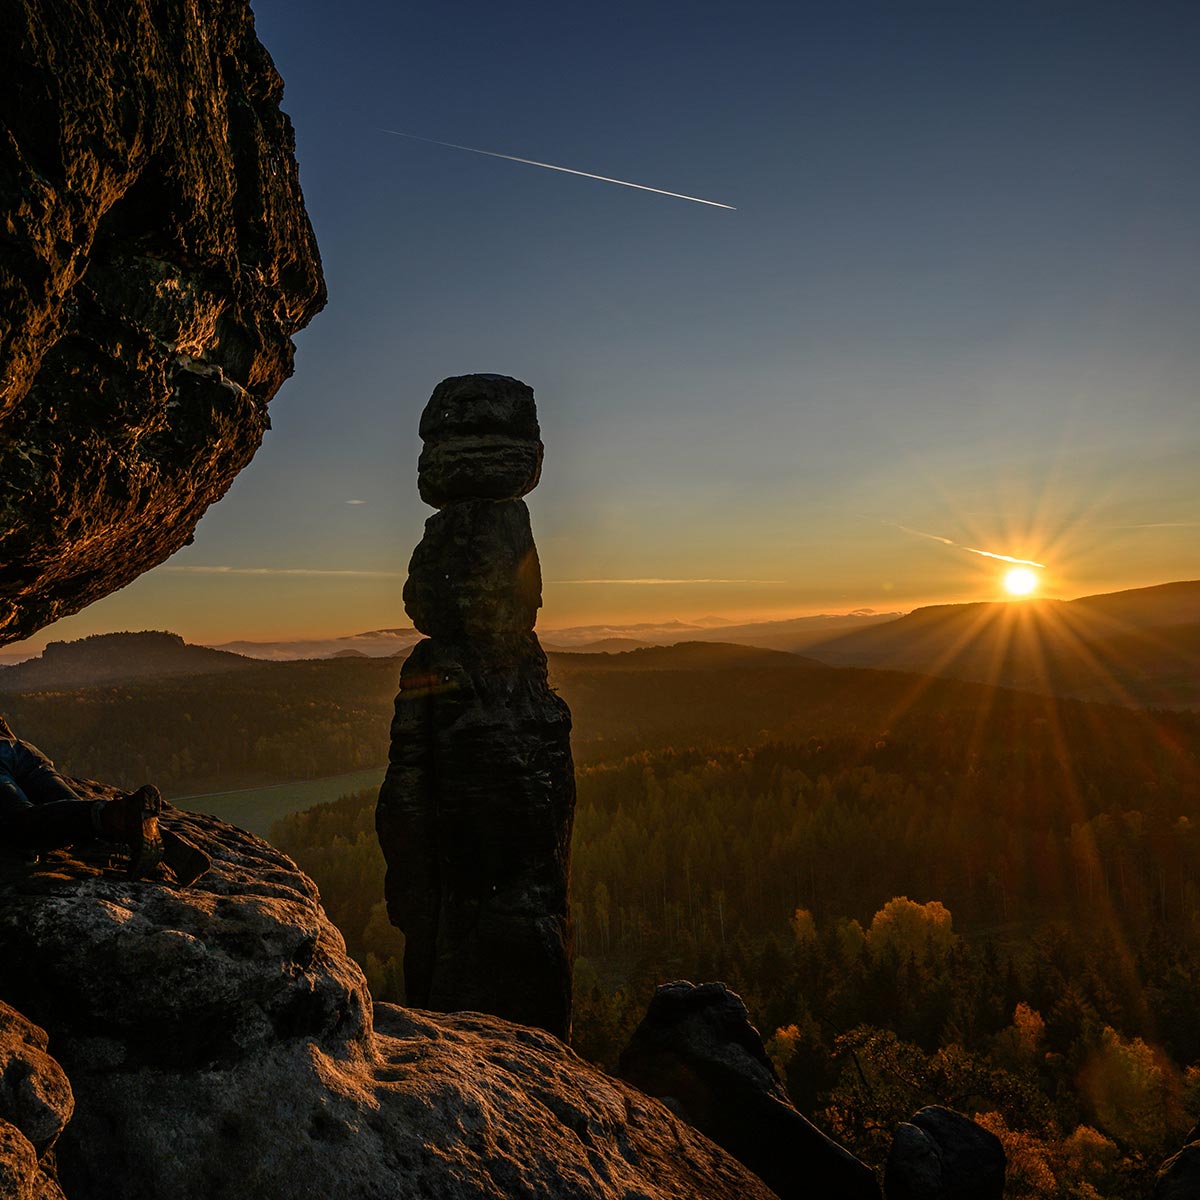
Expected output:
(475, 814)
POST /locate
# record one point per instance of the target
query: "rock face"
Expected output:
(1179, 1177)
(475, 813)
(155, 259)
(35, 1104)
(221, 1045)
(942, 1155)
(697, 1051)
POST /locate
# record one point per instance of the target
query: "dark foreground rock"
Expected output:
(1179, 1177)
(942, 1155)
(475, 813)
(221, 1045)
(697, 1051)
(155, 259)
(35, 1105)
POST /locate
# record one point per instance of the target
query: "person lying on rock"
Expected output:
(39, 810)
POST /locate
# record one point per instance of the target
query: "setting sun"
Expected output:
(1020, 581)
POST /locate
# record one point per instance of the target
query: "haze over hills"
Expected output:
(1140, 646)
(682, 656)
(791, 634)
(377, 643)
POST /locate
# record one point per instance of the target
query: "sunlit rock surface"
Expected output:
(475, 813)
(220, 1044)
(35, 1104)
(155, 260)
(697, 1051)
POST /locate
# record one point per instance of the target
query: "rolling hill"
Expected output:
(116, 658)
(1136, 647)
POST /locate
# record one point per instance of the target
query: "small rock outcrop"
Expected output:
(698, 1052)
(942, 1155)
(155, 260)
(1179, 1177)
(35, 1105)
(475, 813)
(221, 1045)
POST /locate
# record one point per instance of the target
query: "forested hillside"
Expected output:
(265, 723)
(925, 892)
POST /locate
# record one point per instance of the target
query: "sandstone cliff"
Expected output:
(155, 259)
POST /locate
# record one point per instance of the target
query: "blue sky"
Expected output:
(960, 293)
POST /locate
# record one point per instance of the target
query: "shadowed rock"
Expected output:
(1179, 1177)
(35, 1105)
(156, 261)
(475, 813)
(481, 441)
(942, 1155)
(698, 1052)
(221, 1045)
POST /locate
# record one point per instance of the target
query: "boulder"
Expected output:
(475, 813)
(697, 1050)
(35, 1105)
(155, 261)
(220, 1044)
(942, 1155)
(21, 1175)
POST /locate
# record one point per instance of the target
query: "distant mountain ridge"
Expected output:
(114, 658)
(793, 634)
(684, 656)
(1140, 646)
(377, 643)
(1135, 647)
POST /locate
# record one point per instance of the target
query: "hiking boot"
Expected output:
(132, 818)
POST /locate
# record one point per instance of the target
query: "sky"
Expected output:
(959, 296)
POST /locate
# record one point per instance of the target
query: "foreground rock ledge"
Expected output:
(220, 1044)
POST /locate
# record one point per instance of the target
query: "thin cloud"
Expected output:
(662, 581)
(280, 571)
(1161, 525)
(945, 541)
(356, 502)
(531, 162)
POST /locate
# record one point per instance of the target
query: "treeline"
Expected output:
(677, 848)
(277, 722)
(266, 723)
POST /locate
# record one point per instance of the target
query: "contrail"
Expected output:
(530, 162)
(661, 581)
(933, 537)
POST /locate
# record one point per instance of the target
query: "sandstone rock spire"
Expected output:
(475, 814)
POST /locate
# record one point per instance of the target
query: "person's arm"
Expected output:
(38, 776)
